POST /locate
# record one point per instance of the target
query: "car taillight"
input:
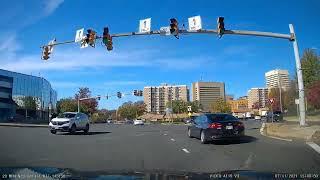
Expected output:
(215, 126)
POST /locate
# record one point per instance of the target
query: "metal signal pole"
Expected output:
(291, 37)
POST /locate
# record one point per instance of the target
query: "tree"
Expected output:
(131, 110)
(180, 106)
(274, 94)
(221, 106)
(29, 103)
(88, 106)
(310, 64)
(67, 105)
(313, 95)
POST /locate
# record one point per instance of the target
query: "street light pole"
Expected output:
(302, 110)
(78, 104)
(280, 92)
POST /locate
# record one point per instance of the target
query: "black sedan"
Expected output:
(208, 127)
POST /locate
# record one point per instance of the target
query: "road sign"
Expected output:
(189, 108)
(165, 31)
(51, 47)
(145, 25)
(296, 101)
(194, 23)
(271, 101)
(79, 35)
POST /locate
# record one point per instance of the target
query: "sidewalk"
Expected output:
(23, 125)
(289, 130)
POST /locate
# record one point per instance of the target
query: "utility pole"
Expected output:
(280, 92)
(302, 110)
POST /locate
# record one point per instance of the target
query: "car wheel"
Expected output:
(73, 129)
(53, 132)
(86, 130)
(189, 133)
(203, 138)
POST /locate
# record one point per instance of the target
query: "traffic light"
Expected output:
(174, 29)
(140, 93)
(135, 92)
(91, 37)
(45, 53)
(99, 97)
(220, 26)
(107, 39)
(119, 95)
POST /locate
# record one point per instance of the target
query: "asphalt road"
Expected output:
(152, 147)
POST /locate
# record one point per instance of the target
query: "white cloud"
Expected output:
(51, 5)
(9, 43)
(81, 59)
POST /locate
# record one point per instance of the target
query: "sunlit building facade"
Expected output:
(16, 92)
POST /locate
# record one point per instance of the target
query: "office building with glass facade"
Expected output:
(25, 97)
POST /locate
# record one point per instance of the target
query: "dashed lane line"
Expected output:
(185, 150)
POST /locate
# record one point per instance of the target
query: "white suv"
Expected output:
(69, 122)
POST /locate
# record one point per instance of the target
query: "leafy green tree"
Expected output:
(221, 106)
(67, 105)
(179, 106)
(310, 64)
(131, 110)
(29, 103)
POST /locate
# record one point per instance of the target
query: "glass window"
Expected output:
(67, 115)
(220, 117)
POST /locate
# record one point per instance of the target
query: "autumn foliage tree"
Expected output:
(220, 106)
(314, 95)
(88, 106)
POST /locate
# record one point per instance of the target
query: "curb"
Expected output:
(263, 132)
(24, 125)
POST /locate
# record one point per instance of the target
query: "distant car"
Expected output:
(213, 126)
(277, 116)
(109, 121)
(257, 117)
(128, 121)
(138, 122)
(70, 122)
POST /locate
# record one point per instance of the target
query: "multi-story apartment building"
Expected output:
(258, 95)
(277, 78)
(157, 97)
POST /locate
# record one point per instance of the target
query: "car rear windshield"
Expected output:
(221, 117)
(67, 115)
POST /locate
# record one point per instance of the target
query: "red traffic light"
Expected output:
(91, 37)
(107, 39)
(174, 29)
(220, 26)
(45, 53)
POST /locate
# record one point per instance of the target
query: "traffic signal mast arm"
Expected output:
(202, 31)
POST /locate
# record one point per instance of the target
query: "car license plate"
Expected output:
(229, 127)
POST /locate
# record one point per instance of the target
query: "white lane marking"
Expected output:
(165, 134)
(248, 161)
(172, 139)
(185, 150)
(314, 146)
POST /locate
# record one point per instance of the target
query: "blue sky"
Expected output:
(135, 62)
